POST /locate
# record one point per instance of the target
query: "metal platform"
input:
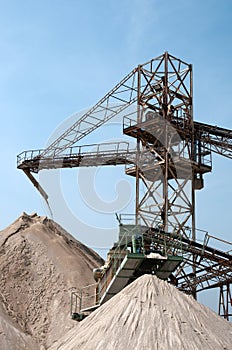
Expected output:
(133, 266)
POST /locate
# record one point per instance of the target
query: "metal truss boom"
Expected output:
(115, 153)
(117, 100)
(213, 266)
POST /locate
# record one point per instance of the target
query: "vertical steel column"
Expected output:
(137, 205)
(193, 150)
(164, 111)
(225, 301)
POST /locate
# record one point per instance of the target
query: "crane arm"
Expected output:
(115, 153)
(144, 85)
(117, 100)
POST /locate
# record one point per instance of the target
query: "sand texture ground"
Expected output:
(150, 314)
(40, 265)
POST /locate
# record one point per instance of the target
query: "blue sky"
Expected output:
(59, 57)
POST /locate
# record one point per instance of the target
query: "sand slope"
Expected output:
(12, 336)
(40, 264)
(150, 314)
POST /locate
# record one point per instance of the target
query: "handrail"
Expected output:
(83, 150)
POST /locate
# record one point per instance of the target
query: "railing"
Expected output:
(221, 244)
(75, 303)
(88, 297)
(73, 152)
(201, 236)
(28, 155)
(203, 155)
(128, 122)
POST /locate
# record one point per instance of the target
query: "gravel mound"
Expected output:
(40, 264)
(150, 314)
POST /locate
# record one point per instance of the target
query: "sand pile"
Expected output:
(40, 264)
(150, 314)
(12, 336)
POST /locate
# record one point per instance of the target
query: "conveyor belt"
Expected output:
(135, 265)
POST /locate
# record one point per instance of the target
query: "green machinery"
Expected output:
(138, 251)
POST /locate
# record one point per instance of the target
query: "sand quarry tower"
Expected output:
(171, 155)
